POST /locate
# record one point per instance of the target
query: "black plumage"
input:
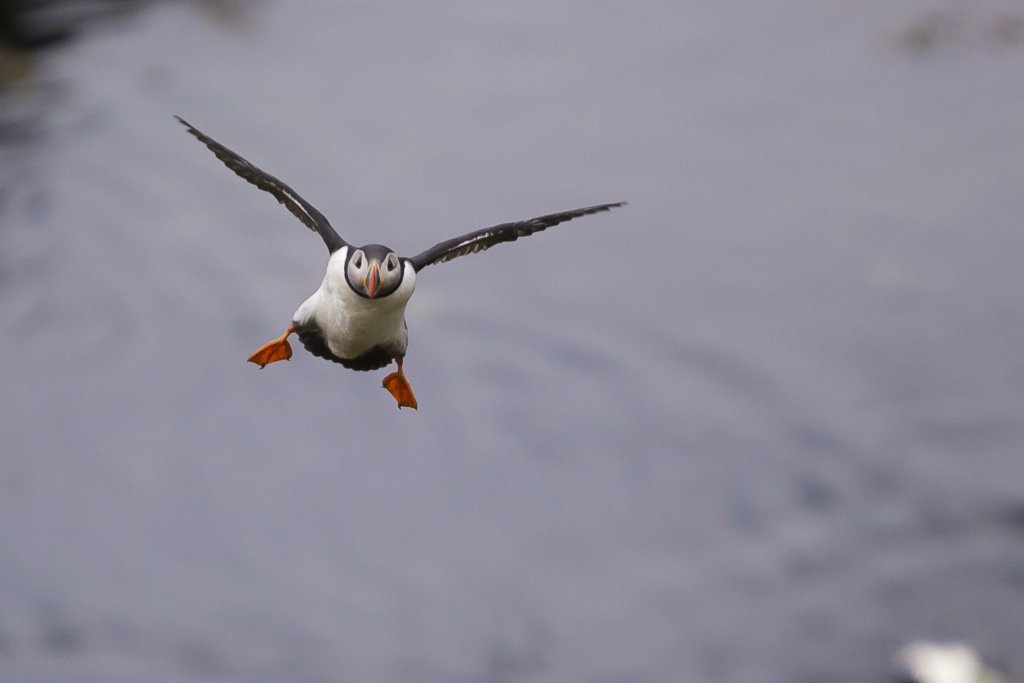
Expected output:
(301, 209)
(470, 243)
(312, 338)
(480, 240)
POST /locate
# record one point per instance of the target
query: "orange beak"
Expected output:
(373, 279)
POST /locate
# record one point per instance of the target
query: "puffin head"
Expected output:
(373, 271)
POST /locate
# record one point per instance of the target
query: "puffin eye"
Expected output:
(358, 261)
(392, 263)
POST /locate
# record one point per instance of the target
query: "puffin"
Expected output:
(357, 316)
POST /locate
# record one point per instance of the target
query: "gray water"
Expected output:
(763, 424)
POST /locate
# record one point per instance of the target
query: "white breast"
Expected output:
(351, 324)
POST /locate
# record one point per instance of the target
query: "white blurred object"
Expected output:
(950, 663)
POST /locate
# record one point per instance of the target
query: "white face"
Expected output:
(373, 271)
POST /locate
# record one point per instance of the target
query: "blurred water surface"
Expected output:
(763, 424)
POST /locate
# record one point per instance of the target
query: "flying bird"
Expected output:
(357, 316)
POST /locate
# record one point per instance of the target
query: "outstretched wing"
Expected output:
(506, 232)
(302, 209)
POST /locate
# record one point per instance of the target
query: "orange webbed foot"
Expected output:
(399, 387)
(273, 351)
